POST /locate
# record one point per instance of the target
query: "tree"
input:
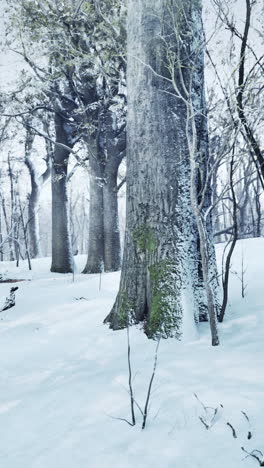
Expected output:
(248, 88)
(37, 182)
(82, 51)
(161, 278)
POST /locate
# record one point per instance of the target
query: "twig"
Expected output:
(253, 455)
(122, 419)
(130, 379)
(233, 430)
(145, 415)
(247, 418)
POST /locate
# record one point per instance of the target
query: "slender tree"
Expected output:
(37, 182)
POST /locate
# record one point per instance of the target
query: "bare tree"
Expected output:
(37, 182)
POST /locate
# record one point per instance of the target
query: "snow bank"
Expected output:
(64, 378)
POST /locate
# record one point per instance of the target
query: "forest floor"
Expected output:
(64, 377)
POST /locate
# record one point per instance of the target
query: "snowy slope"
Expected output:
(64, 378)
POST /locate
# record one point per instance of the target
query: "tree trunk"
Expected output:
(115, 146)
(8, 228)
(33, 201)
(159, 270)
(112, 254)
(62, 260)
(95, 260)
(33, 221)
(104, 251)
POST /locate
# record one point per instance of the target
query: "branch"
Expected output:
(30, 111)
(145, 415)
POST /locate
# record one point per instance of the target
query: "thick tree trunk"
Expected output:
(112, 249)
(159, 272)
(95, 260)
(104, 251)
(104, 236)
(62, 259)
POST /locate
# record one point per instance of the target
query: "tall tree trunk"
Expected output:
(159, 270)
(95, 260)
(104, 250)
(8, 229)
(62, 259)
(112, 254)
(14, 225)
(33, 201)
(258, 208)
(33, 221)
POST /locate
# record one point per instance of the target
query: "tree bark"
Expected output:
(62, 259)
(33, 201)
(104, 251)
(112, 248)
(95, 260)
(159, 271)
(104, 236)
(33, 221)
(115, 146)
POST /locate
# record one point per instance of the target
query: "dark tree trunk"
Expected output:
(258, 208)
(104, 236)
(95, 260)
(104, 251)
(62, 259)
(112, 254)
(159, 272)
(115, 146)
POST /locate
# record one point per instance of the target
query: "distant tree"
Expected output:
(37, 181)
(77, 56)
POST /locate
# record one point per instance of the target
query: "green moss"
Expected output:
(125, 312)
(165, 314)
(145, 238)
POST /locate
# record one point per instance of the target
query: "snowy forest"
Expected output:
(131, 233)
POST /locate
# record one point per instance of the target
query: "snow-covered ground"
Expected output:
(64, 378)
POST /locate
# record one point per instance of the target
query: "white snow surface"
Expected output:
(64, 377)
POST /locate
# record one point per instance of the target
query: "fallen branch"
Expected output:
(11, 300)
(233, 430)
(253, 454)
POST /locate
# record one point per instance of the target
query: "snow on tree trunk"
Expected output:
(33, 200)
(62, 260)
(160, 265)
(37, 182)
(33, 225)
